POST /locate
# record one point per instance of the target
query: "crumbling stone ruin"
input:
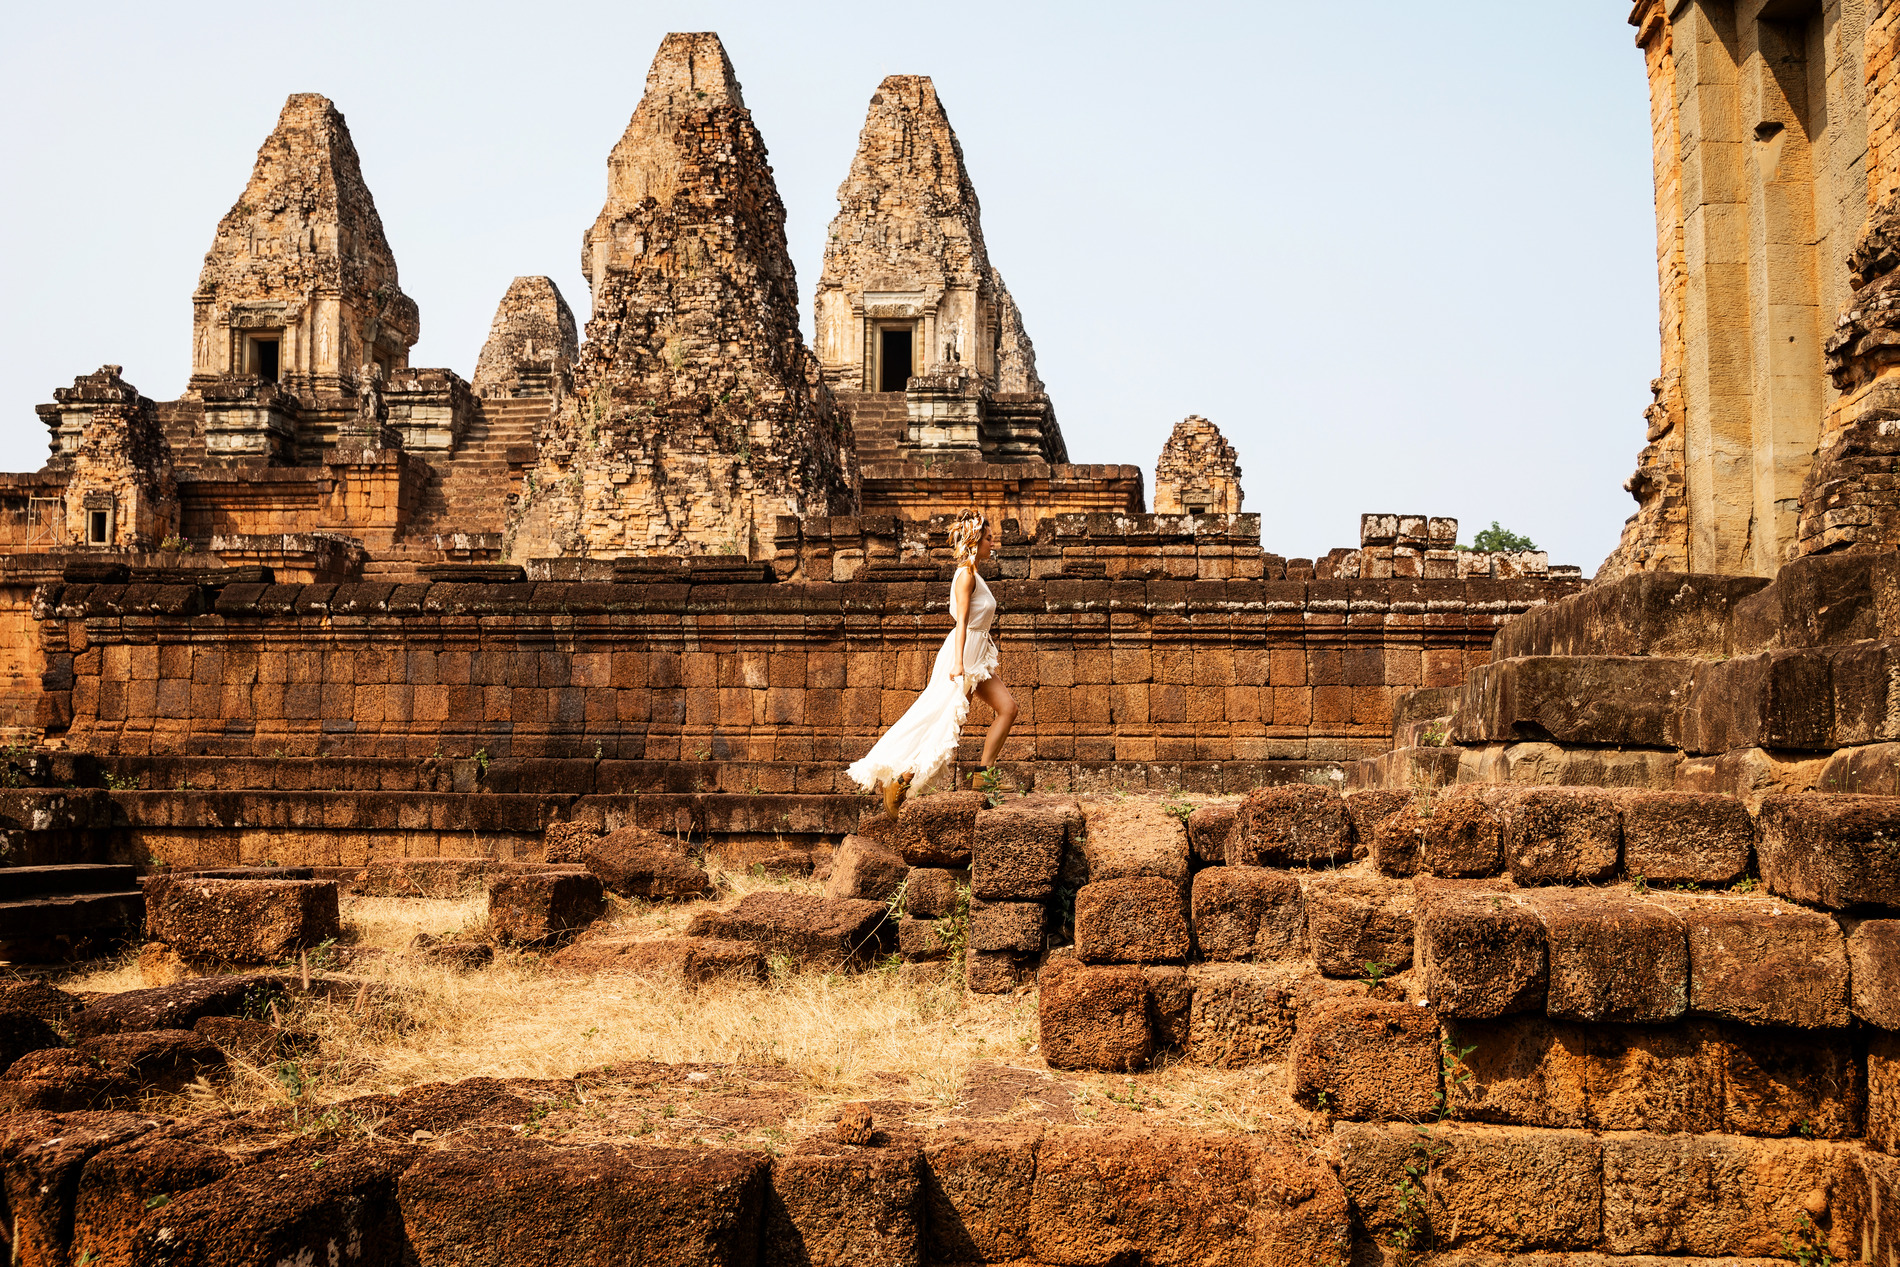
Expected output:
(1198, 472)
(532, 346)
(698, 415)
(1406, 904)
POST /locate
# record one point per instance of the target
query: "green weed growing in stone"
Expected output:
(1805, 1245)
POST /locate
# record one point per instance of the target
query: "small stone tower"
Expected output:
(532, 346)
(121, 492)
(698, 415)
(1198, 472)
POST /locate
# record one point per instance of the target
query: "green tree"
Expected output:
(1496, 538)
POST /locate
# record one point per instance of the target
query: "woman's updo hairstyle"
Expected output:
(965, 534)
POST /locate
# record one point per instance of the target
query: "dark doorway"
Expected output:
(266, 352)
(893, 360)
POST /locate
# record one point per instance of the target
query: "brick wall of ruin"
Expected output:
(1105, 670)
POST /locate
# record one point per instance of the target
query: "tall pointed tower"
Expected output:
(698, 415)
(299, 286)
(910, 303)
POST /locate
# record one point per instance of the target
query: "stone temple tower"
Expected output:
(698, 415)
(911, 312)
(1198, 472)
(298, 303)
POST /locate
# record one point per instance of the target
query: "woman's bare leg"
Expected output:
(992, 692)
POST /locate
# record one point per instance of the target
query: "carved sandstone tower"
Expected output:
(910, 304)
(1198, 472)
(531, 346)
(298, 304)
(698, 415)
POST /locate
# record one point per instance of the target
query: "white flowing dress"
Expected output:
(924, 739)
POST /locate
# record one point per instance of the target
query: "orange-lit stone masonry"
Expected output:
(1105, 670)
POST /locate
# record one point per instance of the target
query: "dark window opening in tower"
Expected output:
(893, 360)
(264, 353)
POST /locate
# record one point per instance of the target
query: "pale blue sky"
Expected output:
(1402, 254)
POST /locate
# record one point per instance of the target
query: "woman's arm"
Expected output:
(960, 591)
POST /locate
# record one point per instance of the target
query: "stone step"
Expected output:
(21, 883)
(71, 914)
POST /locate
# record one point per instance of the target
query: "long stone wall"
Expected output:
(1105, 670)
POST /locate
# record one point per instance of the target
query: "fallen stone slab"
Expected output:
(635, 862)
(835, 1205)
(574, 1205)
(1628, 700)
(178, 1006)
(256, 1041)
(42, 1156)
(100, 1072)
(815, 932)
(240, 921)
(695, 960)
(865, 868)
(542, 909)
(427, 877)
(120, 1185)
(343, 1210)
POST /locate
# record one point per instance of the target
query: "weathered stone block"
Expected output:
(938, 830)
(1779, 699)
(921, 940)
(1209, 828)
(1517, 1071)
(865, 868)
(1093, 1017)
(1712, 1195)
(1629, 700)
(1883, 1092)
(1291, 826)
(816, 932)
(1613, 956)
(634, 862)
(931, 892)
(1697, 837)
(1398, 842)
(833, 1205)
(979, 1180)
(996, 971)
(552, 1205)
(428, 877)
(1654, 1077)
(1018, 851)
(1243, 1014)
(1368, 1060)
(1562, 835)
(1369, 807)
(1831, 849)
(116, 1184)
(1790, 1082)
(540, 908)
(1170, 1003)
(1134, 919)
(1873, 959)
(1764, 962)
(1011, 926)
(1128, 1195)
(1462, 837)
(1242, 913)
(240, 921)
(1353, 921)
(1515, 1190)
(1480, 953)
(1134, 837)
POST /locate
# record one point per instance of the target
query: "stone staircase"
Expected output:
(465, 502)
(880, 421)
(71, 902)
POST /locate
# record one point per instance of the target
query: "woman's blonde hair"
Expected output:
(965, 533)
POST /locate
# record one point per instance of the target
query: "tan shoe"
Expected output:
(894, 793)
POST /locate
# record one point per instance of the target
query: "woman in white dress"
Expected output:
(916, 749)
